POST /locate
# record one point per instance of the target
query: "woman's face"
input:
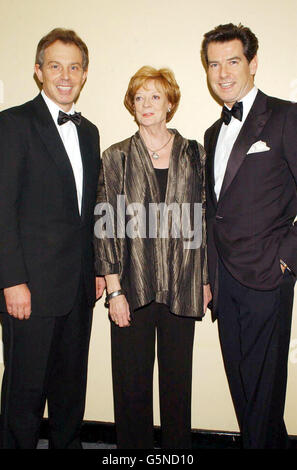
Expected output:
(151, 104)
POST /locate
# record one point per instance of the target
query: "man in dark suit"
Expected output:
(49, 159)
(252, 239)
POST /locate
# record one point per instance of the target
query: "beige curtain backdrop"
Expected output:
(123, 35)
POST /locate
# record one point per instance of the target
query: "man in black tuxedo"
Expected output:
(252, 239)
(49, 159)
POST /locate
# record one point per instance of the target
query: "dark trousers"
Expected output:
(254, 329)
(45, 358)
(133, 355)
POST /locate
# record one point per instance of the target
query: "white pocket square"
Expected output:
(259, 146)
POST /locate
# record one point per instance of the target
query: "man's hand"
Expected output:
(100, 286)
(18, 301)
(206, 296)
(283, 266)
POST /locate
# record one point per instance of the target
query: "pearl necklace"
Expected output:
(155, 155)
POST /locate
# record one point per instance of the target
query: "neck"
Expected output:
(154, 135)
(240, 98)
(154, 132)
(64, 107)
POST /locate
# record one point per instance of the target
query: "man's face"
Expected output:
(62, 74)
(229, 73)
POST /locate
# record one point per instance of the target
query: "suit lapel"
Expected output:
(211, 158)
(55, 147)
(88, 165)
(250, 131)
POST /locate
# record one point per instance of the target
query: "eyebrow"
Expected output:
(142, 92)
(231, 58)
(57, 62)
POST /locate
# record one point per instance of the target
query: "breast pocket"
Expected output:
(261, 154)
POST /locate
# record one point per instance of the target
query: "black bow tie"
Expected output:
(235, 111)
(63, 117)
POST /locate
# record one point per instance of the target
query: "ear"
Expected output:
(38, 72)
(253, 65)
(85, 74)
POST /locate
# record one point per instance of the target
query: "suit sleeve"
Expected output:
(288, 246)
(12, 157)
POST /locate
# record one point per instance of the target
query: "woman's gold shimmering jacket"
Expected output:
(160, 269)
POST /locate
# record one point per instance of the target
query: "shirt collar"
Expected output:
(54, 108)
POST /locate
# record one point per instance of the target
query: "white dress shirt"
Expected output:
(68, 134)
(227, 137)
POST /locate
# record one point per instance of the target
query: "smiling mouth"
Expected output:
(66, 88)
(147, 114)
(226, 86)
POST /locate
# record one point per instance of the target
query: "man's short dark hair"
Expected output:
(67, 36)
(228, 32)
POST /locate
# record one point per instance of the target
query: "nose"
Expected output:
(146, 101)
(65, 73)
(224, 70)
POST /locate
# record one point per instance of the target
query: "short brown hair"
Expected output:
(165, 77)
(65, 35)
(228, 32)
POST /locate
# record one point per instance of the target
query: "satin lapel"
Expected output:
(249, 134)
(55, 147)
(88, 165)
(211, 158)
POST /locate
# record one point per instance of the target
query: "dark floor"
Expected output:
(97, 435)
(43, 444)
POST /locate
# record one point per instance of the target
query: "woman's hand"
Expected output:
(206, 296)
(119, 311)
(118, 306)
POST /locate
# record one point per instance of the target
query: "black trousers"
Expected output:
(133, 355)
(45, 358)
(254, 329)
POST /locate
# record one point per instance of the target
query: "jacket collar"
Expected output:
(178, 147)
(249, 133)
(49, 134)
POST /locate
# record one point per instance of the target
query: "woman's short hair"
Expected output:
(67, 36)
(164, 77)
(228, 32)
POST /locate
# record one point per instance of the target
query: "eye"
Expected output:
(212, 65)
(233, 62)
(156, 97)
(75, 68)
(54, 66)
(138, 98)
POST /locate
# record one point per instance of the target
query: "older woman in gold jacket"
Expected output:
(150, 245)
